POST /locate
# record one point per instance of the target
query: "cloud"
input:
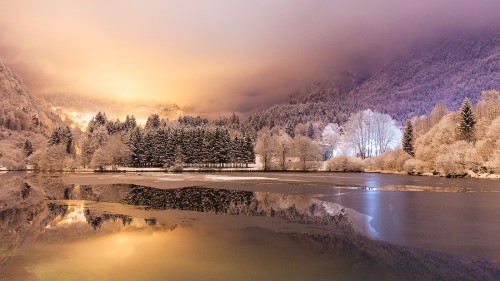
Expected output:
(219, 56)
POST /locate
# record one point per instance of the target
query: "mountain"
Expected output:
(448, 72)
(78, 110)
(22, 118)
(322, 101)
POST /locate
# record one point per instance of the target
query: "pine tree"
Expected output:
(408, 138)
(466, 126)
(290, 130)
(310, 130)
(135, 146)
(249, 151)
(153, 122)
(28, 148)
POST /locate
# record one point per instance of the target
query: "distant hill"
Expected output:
(22, 118)
(321, 101)
(78, 110)
(449, 72)
(19, 111)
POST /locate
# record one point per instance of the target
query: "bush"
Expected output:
(344, 163)
(392, 161)
(414, 166)
(458, 160)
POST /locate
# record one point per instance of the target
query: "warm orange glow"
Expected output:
(214, 55)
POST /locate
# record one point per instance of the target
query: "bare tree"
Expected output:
(265, 148)
(282, 145)
(306, 149)
(371, 133)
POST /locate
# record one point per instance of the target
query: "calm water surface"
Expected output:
(248, 227)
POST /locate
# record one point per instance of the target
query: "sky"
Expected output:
(218, 55)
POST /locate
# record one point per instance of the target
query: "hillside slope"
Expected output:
(21, 118)
(448, 72)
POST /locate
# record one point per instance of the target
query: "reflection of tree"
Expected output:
(25, 191)
(189, 198)
(302, 209)
(96, 220)
(151, 221)
(57, 209)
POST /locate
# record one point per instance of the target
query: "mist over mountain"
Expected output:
(448, 72)
(78, 110)
(22, 117)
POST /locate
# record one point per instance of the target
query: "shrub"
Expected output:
(344, 163)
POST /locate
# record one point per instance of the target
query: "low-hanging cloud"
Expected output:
(219, 56)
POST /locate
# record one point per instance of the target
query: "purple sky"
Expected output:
(219, 56)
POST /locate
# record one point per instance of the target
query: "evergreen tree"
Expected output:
(62, 135)
(249, 151)
(153, 122)
(290, 129)
(170, 148)
(130, 123)
(466, 126)
(408, 138)
(147, 148)
(310, 130)
(28, 148)
(135, 146)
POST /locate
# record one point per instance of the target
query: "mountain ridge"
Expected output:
(411, 86)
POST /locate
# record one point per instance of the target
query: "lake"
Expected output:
(248, 226)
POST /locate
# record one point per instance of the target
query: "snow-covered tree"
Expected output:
(371, 133)
(264, 147)
(283, 149)
(331, 137)
(290, 129)
(305, 149)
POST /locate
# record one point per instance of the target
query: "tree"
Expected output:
(101, 159)
(265, 147)
(28, 148)
(153, 122)
(117, 152)
(467, 122)
(290, 129)
(371, 133)
(331, 137)
(310, 130)
(306, 149)
(136, 146)
(408, 138)
(282, 149)
(62, 135)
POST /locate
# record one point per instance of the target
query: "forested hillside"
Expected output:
(320, 102)
(409, 87)
(449, 72)
(22, 118)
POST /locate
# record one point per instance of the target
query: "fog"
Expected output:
(219, 56)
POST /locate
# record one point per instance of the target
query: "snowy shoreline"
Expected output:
(469, 174)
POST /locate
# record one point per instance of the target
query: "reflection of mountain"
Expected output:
(63, 213)
(22, 213)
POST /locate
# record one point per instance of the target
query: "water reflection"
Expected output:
(55, 231)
